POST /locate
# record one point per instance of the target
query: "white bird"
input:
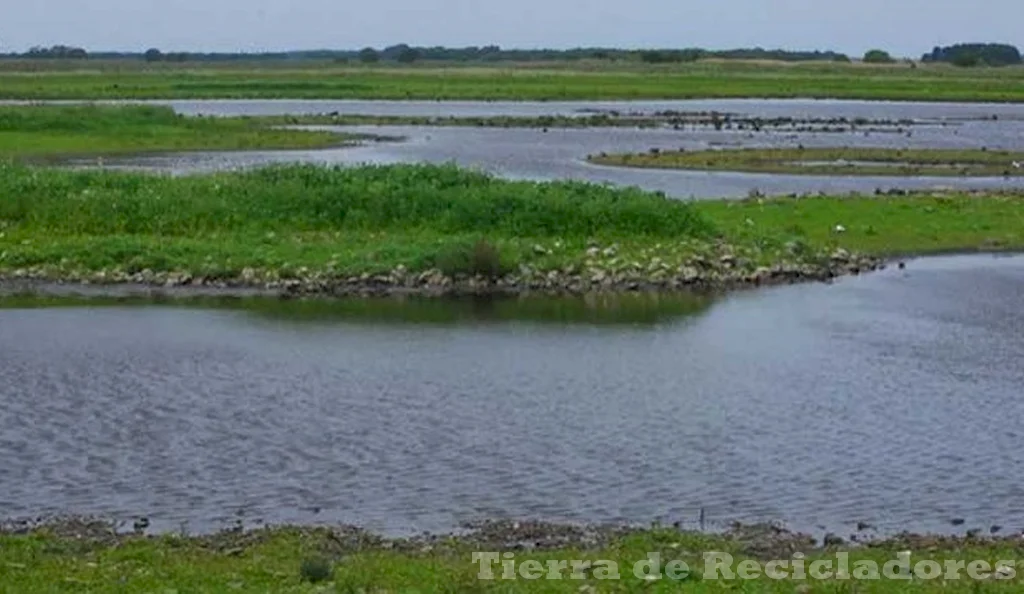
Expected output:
(1016, 164)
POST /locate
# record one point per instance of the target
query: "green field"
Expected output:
(87, 557)
(52, 132)
(566, 81)
(831, 161)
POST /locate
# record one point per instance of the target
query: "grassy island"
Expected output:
(431, 228)
(831, 161)
(56, 131)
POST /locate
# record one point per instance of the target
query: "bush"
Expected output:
(480, 258)
(316, 570)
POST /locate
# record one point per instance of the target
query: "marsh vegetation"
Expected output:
(54, 131)
(832, 161)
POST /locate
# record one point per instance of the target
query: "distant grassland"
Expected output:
(565, 81)
(53, 131)
(831, 161)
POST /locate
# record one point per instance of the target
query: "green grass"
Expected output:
(544, 82)
(51, 131)
(306, 220)
(319, 560)
(831, 161)
(337, 220)
(918, 224)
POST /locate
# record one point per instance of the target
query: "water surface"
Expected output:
(892, 398)
(561, 154)
(555, 154)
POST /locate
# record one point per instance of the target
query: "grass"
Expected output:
(887, 226)
(831, 161)
(534, 82)
(321, 560)
(53, 131)
(298, 220)
(338, 220)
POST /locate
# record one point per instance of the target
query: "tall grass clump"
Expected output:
(310, 198)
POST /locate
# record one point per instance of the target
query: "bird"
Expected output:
(1016, 164)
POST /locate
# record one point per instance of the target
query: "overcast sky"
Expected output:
(905, 27)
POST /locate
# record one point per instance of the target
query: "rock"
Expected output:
(760, 275)
(833, 540)
(840, 256)
(689, 274)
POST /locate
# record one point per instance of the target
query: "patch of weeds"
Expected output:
(480, 258)
(316, 570)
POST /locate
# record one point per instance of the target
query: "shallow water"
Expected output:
(561, 153)
(765, 108)
(892, 398)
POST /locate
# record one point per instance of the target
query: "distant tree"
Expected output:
(975, 54)
(368, 55)
(407, 55)
(655, 57)
(57, 52)
(153, 55)
(877, 56)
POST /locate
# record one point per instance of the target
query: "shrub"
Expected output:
(480, 258)
(316, 570)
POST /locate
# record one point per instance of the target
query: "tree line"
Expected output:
(965, 54)
(975, 54)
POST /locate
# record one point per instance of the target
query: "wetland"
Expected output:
(413, 316)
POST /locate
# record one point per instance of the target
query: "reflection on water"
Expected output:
(596, 309)
(891, 398)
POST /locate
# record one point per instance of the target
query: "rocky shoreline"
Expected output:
(761, 540)
(700, 273)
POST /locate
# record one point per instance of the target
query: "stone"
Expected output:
(840, 255)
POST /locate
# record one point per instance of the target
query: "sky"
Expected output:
(906, 28)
